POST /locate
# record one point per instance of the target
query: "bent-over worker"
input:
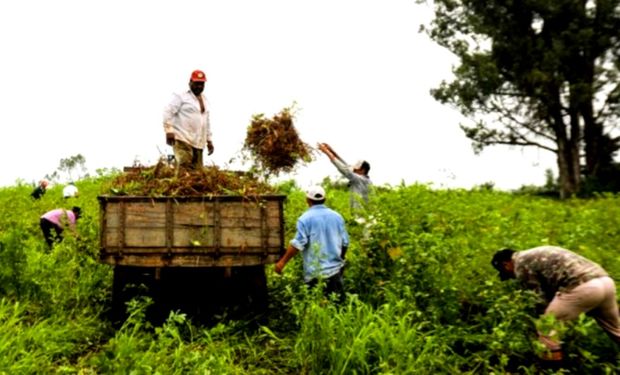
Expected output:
(57, 220)
(569, 283)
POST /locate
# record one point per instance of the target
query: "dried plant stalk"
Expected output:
(161, 180)
(274, 145)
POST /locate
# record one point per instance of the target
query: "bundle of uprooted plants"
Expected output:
(274, 145)
(162, 180)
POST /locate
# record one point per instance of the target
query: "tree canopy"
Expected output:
(536, 73)
(73, 167)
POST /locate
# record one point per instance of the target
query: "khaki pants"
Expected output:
(187, 156)
(596, 298)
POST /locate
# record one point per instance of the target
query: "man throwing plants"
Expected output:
(569, 283)
(359, 182)
(323, 241)
(186, 123)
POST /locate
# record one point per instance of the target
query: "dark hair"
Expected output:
(77, 211)
(320, 201)
(365, 166)
(501, 256)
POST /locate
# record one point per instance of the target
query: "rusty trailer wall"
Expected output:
(209, 231)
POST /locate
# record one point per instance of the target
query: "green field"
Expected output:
(422, 295)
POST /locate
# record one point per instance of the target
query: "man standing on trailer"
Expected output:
(186, 123)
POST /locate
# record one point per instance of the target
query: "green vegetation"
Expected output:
(423, 298)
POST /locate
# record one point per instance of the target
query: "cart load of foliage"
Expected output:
(163, 180)
(274, 145)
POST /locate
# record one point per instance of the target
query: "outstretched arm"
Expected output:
(337, 161)
(329, 151)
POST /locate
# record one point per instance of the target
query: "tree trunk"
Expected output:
(567, 153)
(568, 179)
(582, 97)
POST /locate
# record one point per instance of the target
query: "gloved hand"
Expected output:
(554, 349)
(210, 147)
(170, 139)
(554, 355)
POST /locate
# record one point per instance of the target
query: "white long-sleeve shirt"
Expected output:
(358, 184)
(70, 191)
(182, 117)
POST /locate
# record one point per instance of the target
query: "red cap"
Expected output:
(198, 76)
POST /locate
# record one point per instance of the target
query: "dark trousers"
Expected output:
(52, 232)
(333, 284)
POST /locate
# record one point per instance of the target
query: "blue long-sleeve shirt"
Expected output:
(321, 236)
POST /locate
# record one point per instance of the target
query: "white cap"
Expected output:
(359, 164)
(315, 193)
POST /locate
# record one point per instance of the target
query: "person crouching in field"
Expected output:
(323, 241)
(568, 282)
(55, 221)
(40, 190)
(70, 191)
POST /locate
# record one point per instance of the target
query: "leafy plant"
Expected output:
(422, 296)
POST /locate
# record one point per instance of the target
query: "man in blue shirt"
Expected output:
(323, 241)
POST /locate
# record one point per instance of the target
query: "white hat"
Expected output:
(359, 164)
(315, 193)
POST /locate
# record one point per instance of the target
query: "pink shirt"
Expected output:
(59, 215)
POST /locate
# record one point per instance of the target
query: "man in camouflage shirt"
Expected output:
(569, 283)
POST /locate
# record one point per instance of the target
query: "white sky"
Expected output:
(92, 77)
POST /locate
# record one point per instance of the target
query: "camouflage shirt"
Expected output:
(549, 269)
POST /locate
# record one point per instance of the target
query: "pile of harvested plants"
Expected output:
(274, 145)
(161, 180)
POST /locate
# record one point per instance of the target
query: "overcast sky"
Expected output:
(92, 78)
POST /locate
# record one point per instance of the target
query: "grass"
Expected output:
(422, 296)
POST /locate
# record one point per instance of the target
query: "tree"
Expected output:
(540, 73)
(72, 164)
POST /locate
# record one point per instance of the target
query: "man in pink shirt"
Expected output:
(57, 220)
